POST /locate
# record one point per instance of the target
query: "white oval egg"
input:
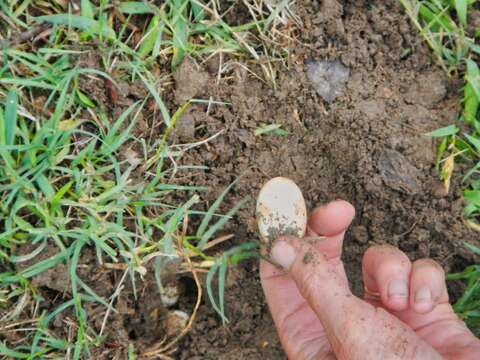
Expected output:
(281, 210)
(170, 293)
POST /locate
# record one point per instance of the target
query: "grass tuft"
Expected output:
(73, 176)
(445, 26)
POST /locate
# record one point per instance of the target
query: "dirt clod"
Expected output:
(428, 89)
(190, 80)
(398, 173)
(308, 258)
(327, 77)
(185, 127)
(360, 234)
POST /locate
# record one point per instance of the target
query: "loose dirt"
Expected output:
(368, 147)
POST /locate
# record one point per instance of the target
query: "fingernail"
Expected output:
(398, 288)
(423, 295)
(283, 254)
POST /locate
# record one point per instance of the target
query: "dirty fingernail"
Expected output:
(283, 254)
(423, 295)
(398, 288)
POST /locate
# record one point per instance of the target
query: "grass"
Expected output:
(468, 305)
(73, 177)
(445, 26)
(270, 129)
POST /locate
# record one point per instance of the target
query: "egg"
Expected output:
(170, 293)
(175, 322)
(281, 210)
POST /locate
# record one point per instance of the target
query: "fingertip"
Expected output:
(386, 270)
(427, 286)
(332, 218)
(283, 254)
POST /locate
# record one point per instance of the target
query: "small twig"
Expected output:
(117, 292)
(217, 241)
(11, 325)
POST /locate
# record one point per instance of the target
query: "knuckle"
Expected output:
(311, 271)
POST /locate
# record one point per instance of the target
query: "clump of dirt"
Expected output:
(190, 80)
(327, 77)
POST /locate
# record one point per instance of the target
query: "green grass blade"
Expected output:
(136, 7)
(11, 109)
(12, 354)
(209, 284)
(153, 91)
(461, 8)
(113, 140)
(444, 131)
(152, 33)
(472, 196)
(180, 31)
(220, 224)
(57, 198)
(473, 76)
(471, 104)
(44, 184)
(212, 209)
(222, 272)
(474, 141)
(87, 9)
(80, 22)
(473, 248)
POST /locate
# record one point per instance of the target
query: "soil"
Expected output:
(368, 147)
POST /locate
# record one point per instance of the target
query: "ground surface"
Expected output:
(367, 147)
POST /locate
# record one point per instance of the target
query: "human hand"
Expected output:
(404, 314)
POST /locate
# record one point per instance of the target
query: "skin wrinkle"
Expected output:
(324, 352)
(287, 316)
(450, 318)
(283, 324)
(462, 350)
(459, 337)
(325, 357)
(351, 341)
(419, 322)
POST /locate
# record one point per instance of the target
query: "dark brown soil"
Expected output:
(367, 147)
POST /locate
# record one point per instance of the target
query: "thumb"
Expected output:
(354, 328)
